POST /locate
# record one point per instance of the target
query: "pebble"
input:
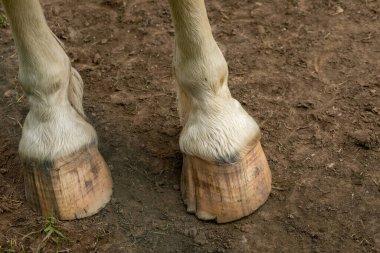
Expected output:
(339, 10)
(261, 29)
(118, 98)
(3, 171)
(97, 58)
(201, 239)
(115, 201)
(246, 228)
(56, 10)
(363, 138)
(192, 232)
(10, 93)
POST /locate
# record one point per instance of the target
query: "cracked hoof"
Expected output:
(226, 192)
(70, 187)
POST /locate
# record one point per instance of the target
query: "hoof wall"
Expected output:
(226, 192)
(71, 187)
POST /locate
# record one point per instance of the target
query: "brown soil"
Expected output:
(307, 70)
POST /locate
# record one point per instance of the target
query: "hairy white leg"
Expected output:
(215, 126)
(55, 125)
(64, 174)
(225, 175)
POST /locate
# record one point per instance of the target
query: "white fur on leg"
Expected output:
(218, 131)
(54, 126)
(215, 126)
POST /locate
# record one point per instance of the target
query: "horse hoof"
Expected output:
(226, 192)
(71, 187)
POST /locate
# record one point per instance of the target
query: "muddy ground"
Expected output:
(307, 70)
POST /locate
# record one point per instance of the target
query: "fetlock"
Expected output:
(215, 126)
(218, 131)
(55, 125)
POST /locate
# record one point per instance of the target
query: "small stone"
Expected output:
(56, 10)
(3, 171)
(118, 98)
(246, 228)
(305, 104)
(176, 187)
(191, 232)
(103, 41)
(339, 10)
(97, 58)
(364, 138)
(115, 201)
(201, 239)
(170, 131)
(261, 29)
(10, 93)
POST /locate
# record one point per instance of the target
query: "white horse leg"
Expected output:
(225, 174)
(64, 173)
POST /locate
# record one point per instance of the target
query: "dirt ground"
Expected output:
(307, 70)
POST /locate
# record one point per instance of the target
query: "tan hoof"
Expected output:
(71, 187)
(226, 192)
